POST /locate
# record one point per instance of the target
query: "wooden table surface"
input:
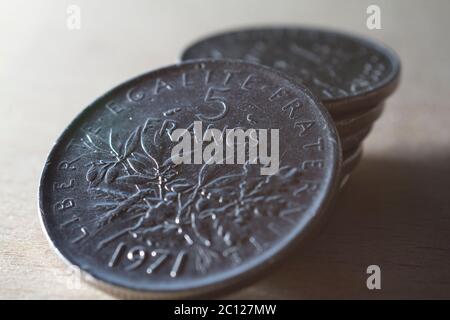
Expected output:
(394, 212)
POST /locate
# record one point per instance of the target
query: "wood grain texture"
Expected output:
(394, 212)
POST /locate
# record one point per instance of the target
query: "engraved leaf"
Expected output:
(104, 206)
(143, 158)
(97, 142)
(178, 185)
(202, 174)
(91, 173)
(201, 204)
(102, 193)
(136, 179)
(138, 166)
(132, 142)
(112, 173)
(225, 180)
(100, 176)
(154, 140)
(110, 142)
(169, 161)
(96, 173)
(170, 196)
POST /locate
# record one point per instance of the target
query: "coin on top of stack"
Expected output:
(351, 75)
(118, 206)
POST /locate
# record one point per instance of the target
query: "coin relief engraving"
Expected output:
(124, 211)
(332, 65)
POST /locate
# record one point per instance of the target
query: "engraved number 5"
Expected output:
(211, 97)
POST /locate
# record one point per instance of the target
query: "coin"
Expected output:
(343, 70)
(351, 161)
(353, 123)
(354, 140)
(344, 181)
(115, 204)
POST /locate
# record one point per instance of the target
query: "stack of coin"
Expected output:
(350, 75)
(117, 206)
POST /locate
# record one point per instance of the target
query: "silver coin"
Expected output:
(115, 205)
(345, 71)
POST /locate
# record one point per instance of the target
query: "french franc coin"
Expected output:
(346, 72)
(353, 123)
(354, 140)
(118, 206)
(352, 160)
